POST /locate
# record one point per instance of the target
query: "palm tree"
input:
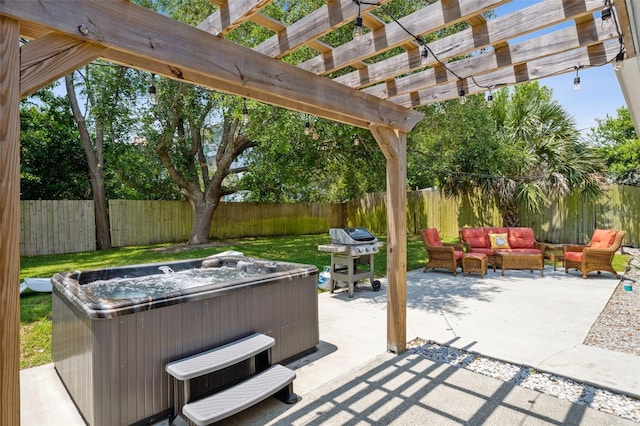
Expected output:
(538, 155)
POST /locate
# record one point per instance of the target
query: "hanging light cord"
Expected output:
(420, 41)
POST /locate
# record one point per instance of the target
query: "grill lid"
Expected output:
(351, 236)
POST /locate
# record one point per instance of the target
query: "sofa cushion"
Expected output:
(521, 238)
(433, 237)
(458, 254)
(602, 239)
(575, 256)
(487, 251)
(475, 237)
(499, 241)
(495, 230)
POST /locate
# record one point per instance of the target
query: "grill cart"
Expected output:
(352, 251)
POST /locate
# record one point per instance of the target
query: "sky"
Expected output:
(599, 95)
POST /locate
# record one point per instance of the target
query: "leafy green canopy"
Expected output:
(521, 151)
(617, 140)
(52, 163)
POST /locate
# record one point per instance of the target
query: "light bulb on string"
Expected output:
(245, 113)
(357, 28)
(463, 97)
(576, 80)
(619, 62)
(606, 17)
(153, 94)
(424, 55)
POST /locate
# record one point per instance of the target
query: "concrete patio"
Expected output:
(521, 318)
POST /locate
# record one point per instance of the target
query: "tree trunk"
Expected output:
(202, 216)
(95, 161)
(510, 215)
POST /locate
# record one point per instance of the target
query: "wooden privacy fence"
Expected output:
(49, 227)
(63, 226)
(567, 220)
(151, 222)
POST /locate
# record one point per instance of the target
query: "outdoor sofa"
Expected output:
(490, 240)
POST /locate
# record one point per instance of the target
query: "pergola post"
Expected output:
(9, 222)
(393, 144)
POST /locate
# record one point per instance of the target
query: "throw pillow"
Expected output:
(499, 241)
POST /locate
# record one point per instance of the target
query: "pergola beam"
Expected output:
(231, 14)
(139, 34)
(316, 24)
(48, 58)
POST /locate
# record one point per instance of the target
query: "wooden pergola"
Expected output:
(378, 95)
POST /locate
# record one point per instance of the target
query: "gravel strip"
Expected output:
(527, 377)
(617, 329)
(618, 325)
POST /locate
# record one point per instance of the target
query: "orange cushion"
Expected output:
(433, 237)
(575, 256)
(521, 238)
(475, 237)
(476, 255)
(487, 251)
(602, 239)
(495, 230)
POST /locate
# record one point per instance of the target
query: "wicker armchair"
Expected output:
(440, 255)
(595, 256)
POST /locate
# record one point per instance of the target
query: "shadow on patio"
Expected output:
(410, 390)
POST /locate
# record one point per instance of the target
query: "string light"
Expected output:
(605, 17)
(490, 99)
(463, 97)
(245, 112)
(357, 26)
(576, 80)
(619, 63)
(424, 55)
(153, 94)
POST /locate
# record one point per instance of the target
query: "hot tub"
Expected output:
(110, 348)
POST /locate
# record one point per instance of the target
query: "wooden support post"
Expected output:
(9, 222)
(393, 143)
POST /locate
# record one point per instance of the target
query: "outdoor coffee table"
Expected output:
(510, 260)
(555, 253)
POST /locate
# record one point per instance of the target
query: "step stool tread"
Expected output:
(220, 357)
(239, 397)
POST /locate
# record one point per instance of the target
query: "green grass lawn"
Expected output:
(35, 308)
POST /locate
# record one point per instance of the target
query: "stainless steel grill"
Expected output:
(352, 251)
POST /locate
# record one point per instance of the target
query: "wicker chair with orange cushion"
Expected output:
(595, 256)
(441, 255)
